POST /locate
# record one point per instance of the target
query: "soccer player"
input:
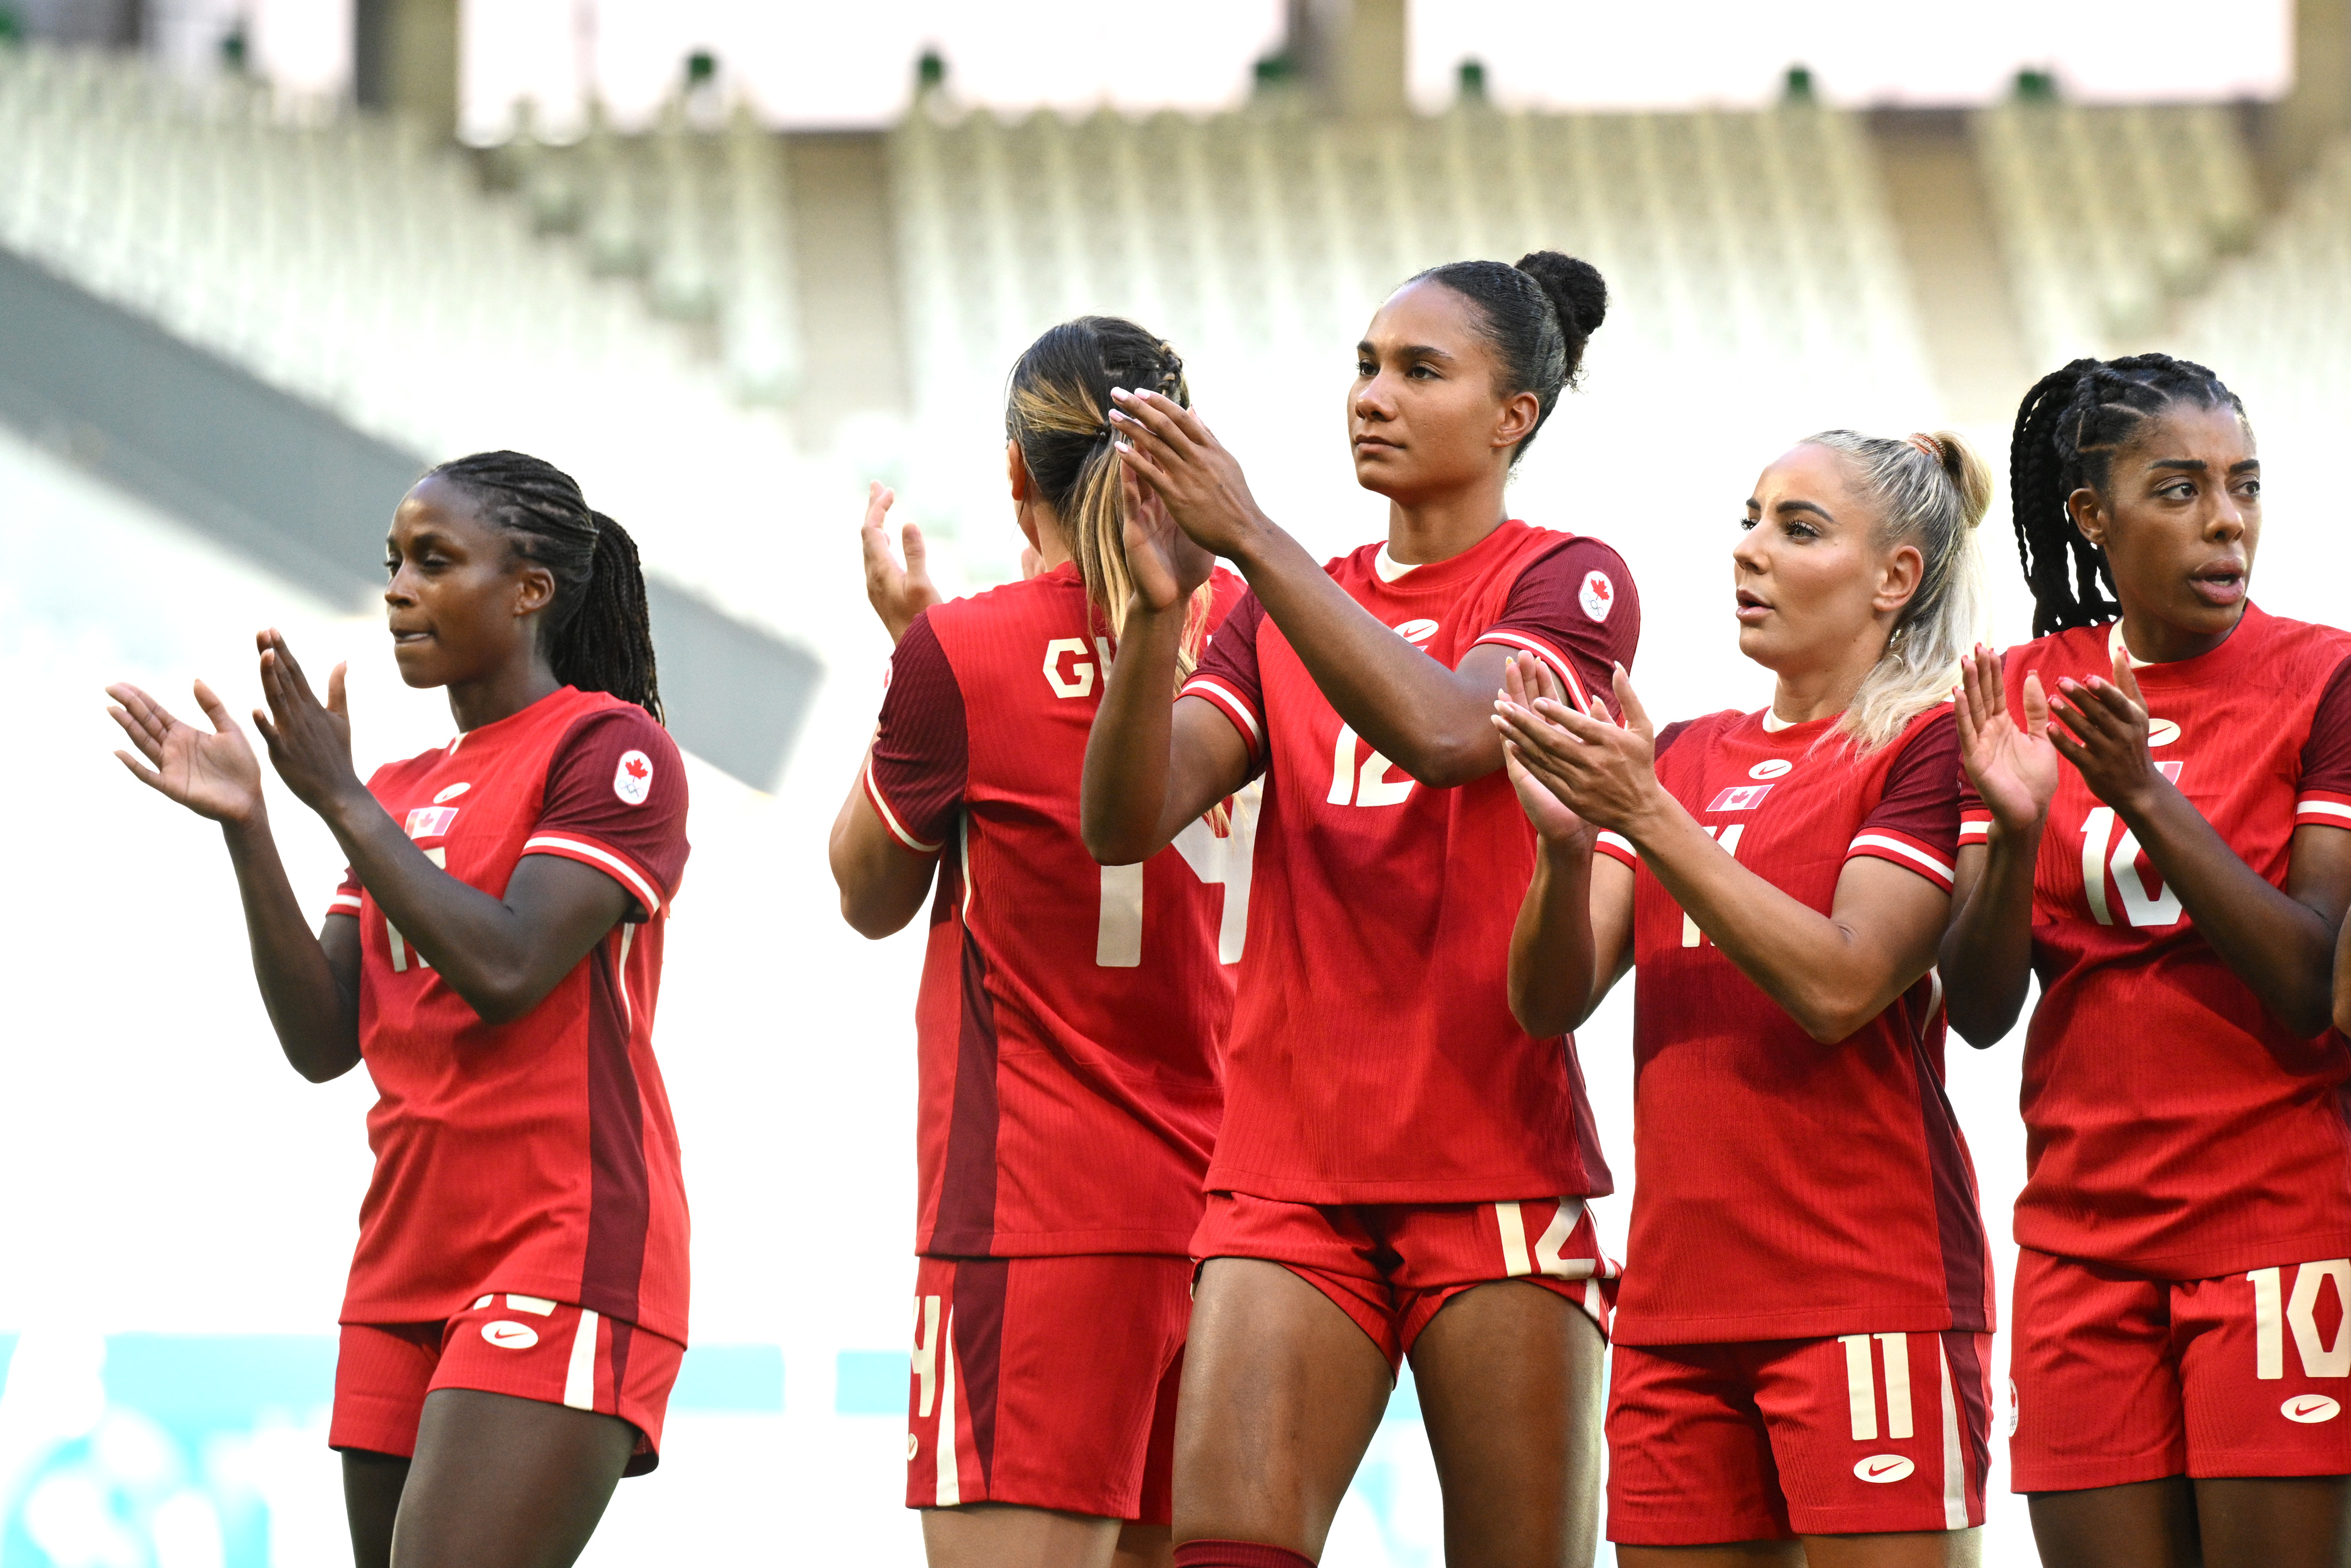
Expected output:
(2169, 857)
(1801, 1369)
(517, 1307)
(1402, 1170)
(1069, 1017)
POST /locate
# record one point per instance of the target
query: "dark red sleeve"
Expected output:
(1227, 676)
(1577, 608)
(615, 799)
(920, 759)
(1917, 823)
(2323, 795)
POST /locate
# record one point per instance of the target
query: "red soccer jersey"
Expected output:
(1069, 1013)
(1789, 1190)
(2173, 1127)
(534, 1156)
(1374, 1058)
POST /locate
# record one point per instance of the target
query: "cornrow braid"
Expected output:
(598, 632)
(2068, 430)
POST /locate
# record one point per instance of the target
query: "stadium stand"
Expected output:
(2281, 317)
(2109, 214)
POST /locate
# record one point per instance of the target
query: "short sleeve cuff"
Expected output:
(2322, 808)
(892, 820)
(1560, 665)
(620, 868)
(1234, 707)
(1910, 854)
(1616, 846)
(1975, 827)
(344, 904)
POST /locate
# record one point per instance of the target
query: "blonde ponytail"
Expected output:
(1930, 491)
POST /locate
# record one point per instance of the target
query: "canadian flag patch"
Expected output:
(1598, 594)
(632, 780)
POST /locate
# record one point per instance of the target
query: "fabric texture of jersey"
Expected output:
(2173, 1125)
(1069, 1013)
(1374, 1058)
(1861, 1434)
(2119, 1378)
(1046, 1382)
(537, 1156)
(525, 1346)
(1763, 1155)
(1390, 1267)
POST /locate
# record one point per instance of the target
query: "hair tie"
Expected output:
(1929, 445)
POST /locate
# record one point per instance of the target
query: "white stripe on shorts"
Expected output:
(1955, 1460)
(580, 1377)
(950, 1493)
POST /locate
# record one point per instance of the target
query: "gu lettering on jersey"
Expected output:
(1069, 1013)
(1365, 903)
(536, 1157)
(2128, 1146)
(1880, 1222)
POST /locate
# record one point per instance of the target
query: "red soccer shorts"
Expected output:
(1390, 1266)
(1864, 1432)
(1046, 1382)
(527, 1346)
(2120, 1378)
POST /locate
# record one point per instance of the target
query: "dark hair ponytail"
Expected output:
(598, 633)
(2068, 429)
(1538, 316)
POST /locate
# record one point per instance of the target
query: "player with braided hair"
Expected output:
(1403, 1170)
(2162, 841)
(517, 1307)
(1070, 1019)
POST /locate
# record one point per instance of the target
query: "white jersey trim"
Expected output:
(1896, 846)
(604, 857)
(890, 818)
(2322, 808)
(343, 902)
(1201, 686)
(1550, 656)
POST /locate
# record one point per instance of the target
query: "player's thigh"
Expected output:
(2278, 1521)
(372, 1487)
(1007, 1535)
(1281, 1393)
(1912, 1548)
(2137, 1524)
(505, 1482)
(1146, 1546)
(1733, 1554)
(1509, 1377)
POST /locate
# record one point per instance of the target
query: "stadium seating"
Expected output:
(2107, 215)
(354, 261)
(2280, 319)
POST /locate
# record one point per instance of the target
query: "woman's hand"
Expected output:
(1165, 563)
(2104, 734)
(309, 744)
(1172, 452)
(1526, 681)
(1605, 771)
(898, 593)
(215, 775)
(2015, 771)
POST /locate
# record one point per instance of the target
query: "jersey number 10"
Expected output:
(2160, 907)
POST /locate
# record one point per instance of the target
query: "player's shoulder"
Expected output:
(390, 776)
(2302, 645)
(1695, 736)
(609, 726)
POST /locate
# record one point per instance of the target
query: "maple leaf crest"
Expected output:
(636, 767)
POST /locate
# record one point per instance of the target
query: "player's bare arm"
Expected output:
(1573, 940)
(1430, 721)
(2280, 942)
(1154, 765)
(310, 983)
(1832, 972)
(882, 883)
(1987, 953)
(502, 955)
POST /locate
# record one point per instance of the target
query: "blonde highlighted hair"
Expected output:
(1057, 408)
(1929, 490)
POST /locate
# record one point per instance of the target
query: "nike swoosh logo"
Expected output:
(1881, 1469)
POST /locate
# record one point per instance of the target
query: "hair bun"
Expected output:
(1576, 291)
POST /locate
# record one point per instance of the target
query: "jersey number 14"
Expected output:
(1118, 936)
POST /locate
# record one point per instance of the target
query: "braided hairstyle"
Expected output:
(1057, 407)
(596, 633)
(1538, 316)
(2068, 430)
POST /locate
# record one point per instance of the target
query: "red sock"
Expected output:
(1238, 1554)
